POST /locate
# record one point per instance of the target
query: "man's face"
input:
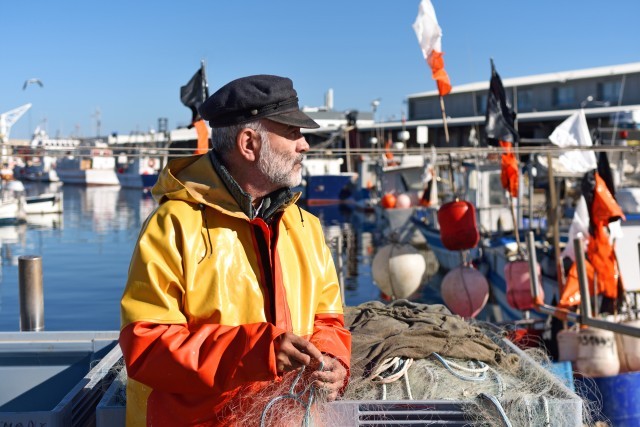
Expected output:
(281, 155)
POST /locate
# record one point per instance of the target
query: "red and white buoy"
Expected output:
(465, 291)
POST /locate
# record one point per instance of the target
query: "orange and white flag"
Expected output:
(429, 36)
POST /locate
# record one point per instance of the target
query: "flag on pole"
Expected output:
(500, 118)
(574, 132)
(429, 36)
(596, 211)
(500, 130)
(192, 95)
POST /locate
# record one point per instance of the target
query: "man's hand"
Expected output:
(293, 352)
(331, 379)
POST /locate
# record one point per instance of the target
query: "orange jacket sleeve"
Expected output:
(209, 358)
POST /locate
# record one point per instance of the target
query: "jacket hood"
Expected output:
(193, 179)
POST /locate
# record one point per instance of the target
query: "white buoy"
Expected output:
(465, 291)
(567, 344)
(629, 349)
(597, 353)
(398, 269)
(403, 201)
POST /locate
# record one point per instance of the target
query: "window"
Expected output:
(481, 104)
(564, 96)
(609, 91)
(525, 100)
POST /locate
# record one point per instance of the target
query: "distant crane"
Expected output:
(6, 122)
(31, 81)
(8, 119)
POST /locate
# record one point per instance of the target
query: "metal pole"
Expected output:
(585, 304)
(533, 267)
(31, 295)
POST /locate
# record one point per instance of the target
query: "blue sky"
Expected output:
(129, 58)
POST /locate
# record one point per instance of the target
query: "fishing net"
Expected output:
(409, 352)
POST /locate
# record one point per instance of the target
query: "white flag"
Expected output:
(427, 29)
(579, 224)
(429, 36)
(574, 132)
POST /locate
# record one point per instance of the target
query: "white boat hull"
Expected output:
(44, 203)
(89, 176)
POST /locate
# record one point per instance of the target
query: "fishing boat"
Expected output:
(92, 163)
(324, 183)
(12, 203)
(46, 203)
(37, 161)
(138, 170)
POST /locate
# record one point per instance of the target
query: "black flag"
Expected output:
(604, 168)
(500, 118)
(194, 93)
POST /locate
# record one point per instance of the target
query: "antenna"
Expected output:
(97, 115)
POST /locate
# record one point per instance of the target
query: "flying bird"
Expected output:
(30, 81)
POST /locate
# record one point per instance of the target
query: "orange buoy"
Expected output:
(458, 226)
(465, 291)
(388, 201)
(517, 276)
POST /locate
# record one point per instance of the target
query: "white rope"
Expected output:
(391, 370)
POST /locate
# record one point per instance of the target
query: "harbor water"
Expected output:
(86, 251)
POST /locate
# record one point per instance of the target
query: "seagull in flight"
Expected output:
(30, 81)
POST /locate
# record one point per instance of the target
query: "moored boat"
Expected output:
(88, 165)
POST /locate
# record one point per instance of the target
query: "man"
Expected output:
(231, 284)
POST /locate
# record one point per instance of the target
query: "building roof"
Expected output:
(559, 77)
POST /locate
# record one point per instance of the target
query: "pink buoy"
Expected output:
(516, 274)
(465, 291)
(403, 201)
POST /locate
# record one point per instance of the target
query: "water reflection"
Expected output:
(86, 252)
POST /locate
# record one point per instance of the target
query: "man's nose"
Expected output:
(303, 145)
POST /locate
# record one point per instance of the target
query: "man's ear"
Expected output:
(248, 144)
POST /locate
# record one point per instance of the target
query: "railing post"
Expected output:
(31, 294)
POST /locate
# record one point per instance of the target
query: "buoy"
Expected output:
(597, 353)
(458, 228)
(567, 340)
(388, 201)
(397, 270)
(516, 274)
(629, 349)
(465, 291)
(403, 201)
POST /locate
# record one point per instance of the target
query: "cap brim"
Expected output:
(295, 118)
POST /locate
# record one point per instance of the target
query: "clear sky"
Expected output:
(128, 59)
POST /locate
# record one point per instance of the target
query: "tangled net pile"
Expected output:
(407, 351)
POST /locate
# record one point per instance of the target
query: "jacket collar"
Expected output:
(271, 203)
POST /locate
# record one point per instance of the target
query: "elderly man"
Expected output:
(231, 284)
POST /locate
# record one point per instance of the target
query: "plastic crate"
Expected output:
(111, 410)
(55, 378)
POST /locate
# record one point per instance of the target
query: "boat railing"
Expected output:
(584, 317)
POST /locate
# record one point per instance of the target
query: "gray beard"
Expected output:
(278, 168)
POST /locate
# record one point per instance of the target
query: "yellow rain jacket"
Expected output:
(208, 292)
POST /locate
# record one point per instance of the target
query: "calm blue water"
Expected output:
(86, 250)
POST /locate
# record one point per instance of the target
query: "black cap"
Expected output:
(255, 97)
